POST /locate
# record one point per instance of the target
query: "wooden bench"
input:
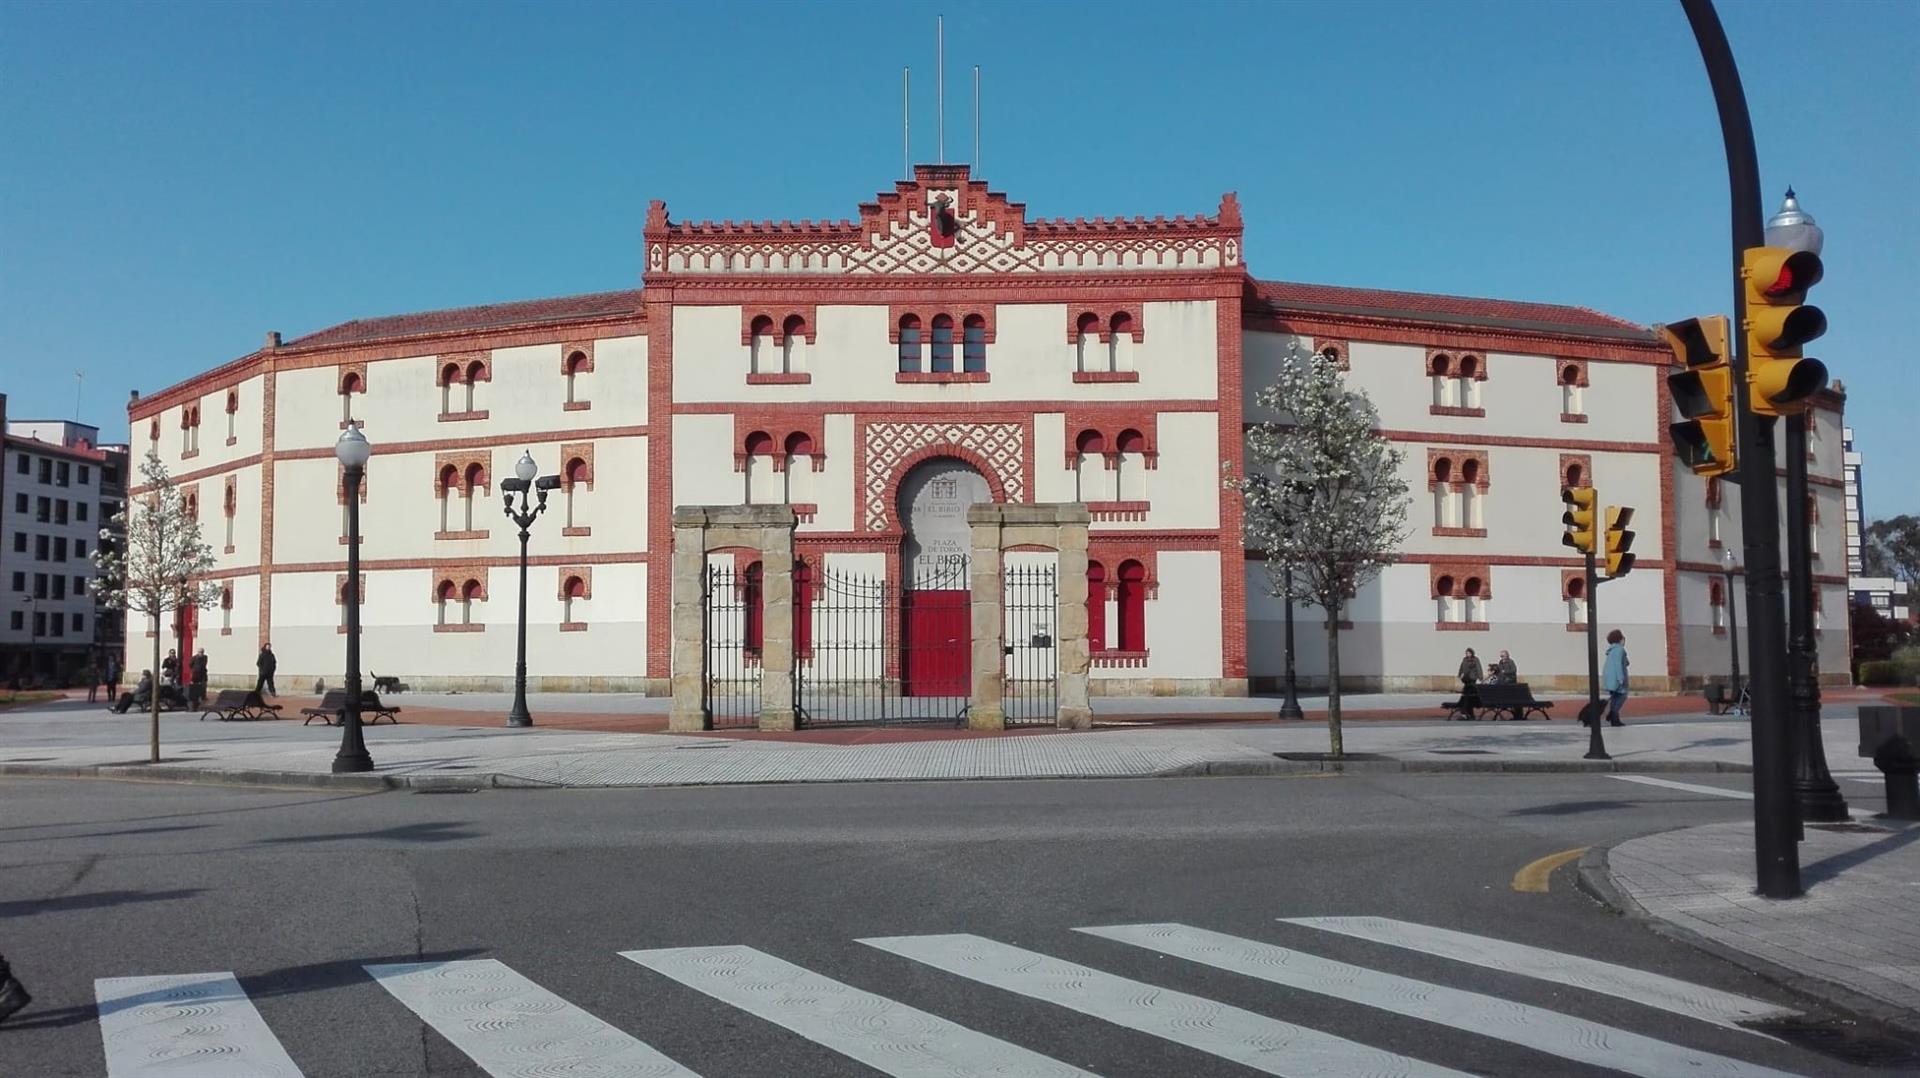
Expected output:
(333, 706)
(230, 704)
(1464, 707)
(1512, 701)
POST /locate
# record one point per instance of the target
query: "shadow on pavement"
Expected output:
(1570, 808)
(1827, 868)
(92, 900)
(428, 831)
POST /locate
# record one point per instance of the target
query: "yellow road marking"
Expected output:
(1533, 878)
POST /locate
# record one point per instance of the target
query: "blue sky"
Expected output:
(179, 178)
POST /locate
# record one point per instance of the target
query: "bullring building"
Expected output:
(941, 347)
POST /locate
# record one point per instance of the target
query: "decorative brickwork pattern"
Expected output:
(1576, 470)
(776, 319)
(1002, 446)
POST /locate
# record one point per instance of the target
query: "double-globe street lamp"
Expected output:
(352, 449)
(523, 483)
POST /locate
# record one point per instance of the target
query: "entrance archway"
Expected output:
(936, 619)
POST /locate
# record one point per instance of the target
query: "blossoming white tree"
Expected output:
(162, 567)
(1325, 501)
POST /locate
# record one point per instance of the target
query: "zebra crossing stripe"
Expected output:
(513, 1028)
(1488, 1016)
(1651, 989)
(890, 1037)
(1689, 787)
(200, 1024)
(1253, 1040)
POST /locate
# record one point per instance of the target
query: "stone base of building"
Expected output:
(311, 684)
(1166, 686)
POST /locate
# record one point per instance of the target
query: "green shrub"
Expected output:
(1890, 672)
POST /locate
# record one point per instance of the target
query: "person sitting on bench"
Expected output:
(139, 697)
(1504, 671)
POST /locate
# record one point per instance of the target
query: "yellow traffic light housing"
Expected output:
(1702, 390)
(1579, 517)
(1780, 382)
(1618, 541)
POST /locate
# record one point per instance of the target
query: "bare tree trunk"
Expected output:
(1337, 746)
(153, 699)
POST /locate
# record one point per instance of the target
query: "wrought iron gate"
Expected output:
(871, 652)
(732, 638)
(1031, 683)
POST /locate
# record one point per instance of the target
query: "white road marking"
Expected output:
(513, 1028)
(1487, 1016)
(1606, 978)
(890, 1037)
(199, 1024)
(1253, 1040)
(1692, 788)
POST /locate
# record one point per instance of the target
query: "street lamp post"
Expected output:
(523, 483)
(1813, 786)
(1727, 565)
(352, 449)
(1290, 707)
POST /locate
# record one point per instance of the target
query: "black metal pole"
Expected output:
(1596, 744)
(1290, 707)
(520, 716)
(1775, 820)
(1733, 644)
(1814, 790)
(353, 754)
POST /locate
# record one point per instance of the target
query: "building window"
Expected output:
(942, 345)
(1470, 376)
(760, 351)
(62, 474)
(1471, 508)
(1444, 508)
(86, 475)
(60, 548)
(233, 409)
(1132, 605)
(20, 503)
(572, 592)
(79, 548)
(42, 548)
(1575, 593)
(43, 510)
(1475, 604)
(349, 385)
(226, 608)
(39, 585)
(469, 592)
(80, 512)
(1130, 466)
(1717, 599)
(576, 366)
(60, 511)
(79, 586)
(1440, 368)
(1120, 341)
(59, 587)
(793, 345)
(973, 344)
(1573, 397)
(1091, 483)
(753, 598)
(19, 542)
(1447, 604)
(797, 469)
(23, 464)
(443, 595)
(19, 581)
(909, 344)
(574, 476)
(765, 484)
(1096, 607)
(466, 496)
(1086, 339)
(18, 621)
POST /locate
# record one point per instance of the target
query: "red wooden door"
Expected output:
(938, 640)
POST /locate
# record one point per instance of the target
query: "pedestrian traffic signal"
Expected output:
(1702, 389)
(1579, 517)
(1618, 541)
(1779, 381)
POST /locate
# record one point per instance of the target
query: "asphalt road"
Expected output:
(295, 892)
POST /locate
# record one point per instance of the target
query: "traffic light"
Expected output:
(1702, 390)
(1618, 541)
(1579, 517)
(1779, 380)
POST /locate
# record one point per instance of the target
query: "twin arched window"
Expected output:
(456, 386)
(1128, 590)
(449, 593)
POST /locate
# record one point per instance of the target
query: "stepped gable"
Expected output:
(1279, 298)
(485, 316)
(943, 222)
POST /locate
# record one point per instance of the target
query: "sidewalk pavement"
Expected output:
(463, 746)
(1853, 939)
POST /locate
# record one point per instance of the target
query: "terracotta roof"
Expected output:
(1281, 296)
(487, 316)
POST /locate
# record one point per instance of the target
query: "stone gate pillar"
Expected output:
(699, 530)
(998, 527)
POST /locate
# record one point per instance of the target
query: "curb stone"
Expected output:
(1427, 766)
(1595, 879)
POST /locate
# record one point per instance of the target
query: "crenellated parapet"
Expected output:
(940, 223)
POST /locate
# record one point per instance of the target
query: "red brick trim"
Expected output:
(566, 572)
(1569, 578)
(476, 442)
(781, 425)
(1461, 572)
(573, 626)
(1119, 510)
(927, 309)
(1339, 349)
(1573, 417)
(1456, 470)
(780, 378)
(461, 627)
(462, 463)
(1454, 339)
(464, 361)
(340, 589)
(1110, 554)
(1103, 317)
(1117, 659)
(458, 417)
(576, 532)
(804, 512)
(940, 377)
(1579, 368)
(1096, 377)
(1461, 533)
(340, 484)
(1110, 422)
(576, 406)
(570, 452)
(582, 348)
(890, 500)
(477, 533)
(1229, 333)
(1463, 626)
(1455, 410)
(777, 316)
(233, 401)
(660, 409)
(1583, 461)
(358, 369)
(459, 574)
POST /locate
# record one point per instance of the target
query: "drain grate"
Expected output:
(1842, 1040)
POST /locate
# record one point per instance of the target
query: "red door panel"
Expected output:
(938, 641)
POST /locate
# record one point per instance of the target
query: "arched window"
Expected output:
(449, 377)
(575, 589)
(1576, 596)
(1471, 512)
(1571, 399)
(793, 343)
(443, 595)
(942, 345)
(1476, 604)
(753, 597)
(349, 385)
(760, 353)
(798, 467)
(1576, 477)
(1717, 599)
(1130, 466)
(802, 608)
(1469, 392)
(1813, 526)
(1090, 468)
(1133, 606)
(1441, 368)
(909, 344)
(763, 485)
(232, 498)
(1119, 329)
(1443, 493)
(473, 476)
(973, 344)
(474, 371)
(449, 483)
(576, 366)
(575, 475)
(233, 410)
(1086, 332)
(1444, 598)
(226, 608)
(468, 593)
(1096, 607)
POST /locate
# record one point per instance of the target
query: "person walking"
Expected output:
(93, 678)
(1613, 677)
(112, 674)
(1504, 671)
(197, 685)
(13, 994)
(1470, 675)
(267, 664)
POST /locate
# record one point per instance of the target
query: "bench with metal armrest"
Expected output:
(230, 704)
(1514, 701)
(333, 707)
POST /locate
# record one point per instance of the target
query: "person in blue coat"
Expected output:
(1613, 676)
